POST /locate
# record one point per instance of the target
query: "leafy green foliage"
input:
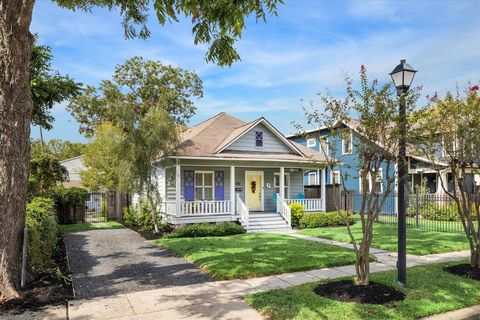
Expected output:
(137, 88)
(325, 219)
(216, 23)
(297, 213)
(139, 216)
(206, 230)
(47, 86)
(70, 196)
(60, 149)
(45, 172)
(440, 213)
(43, 230)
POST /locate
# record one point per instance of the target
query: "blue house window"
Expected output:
(258, 139)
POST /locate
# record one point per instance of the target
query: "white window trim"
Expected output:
(287, 183)
(332, 177)
(326, 149)
(351, 145)
(203, 186)
(315, 175)
(311, 142)
(369, 180)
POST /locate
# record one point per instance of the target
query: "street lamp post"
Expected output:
(402, 77)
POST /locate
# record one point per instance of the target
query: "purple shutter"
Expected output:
(189, 185)
(219, 182)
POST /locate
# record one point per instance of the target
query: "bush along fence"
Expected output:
(426, 211)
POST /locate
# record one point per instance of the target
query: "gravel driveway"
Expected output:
(111, 261)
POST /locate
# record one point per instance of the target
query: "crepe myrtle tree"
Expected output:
(375, 143)
(449, 136)
(136, 120)
(219, 24)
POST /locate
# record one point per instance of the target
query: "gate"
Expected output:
(95, 207)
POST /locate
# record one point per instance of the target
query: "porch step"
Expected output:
(266, 222)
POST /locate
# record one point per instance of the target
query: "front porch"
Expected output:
(201, 192)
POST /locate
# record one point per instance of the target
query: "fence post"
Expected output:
(24, 257)
(416, 208)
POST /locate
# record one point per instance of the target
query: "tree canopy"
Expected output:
(137, 86)
(61, 149)
(217, 23)
(48, 86)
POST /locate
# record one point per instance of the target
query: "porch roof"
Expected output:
(207, 138)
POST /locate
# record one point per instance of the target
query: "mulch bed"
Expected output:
(149, 235)
(347, 291)
(45, 289)
(464, 270)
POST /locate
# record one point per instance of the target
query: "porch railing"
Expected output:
(308, 204)
(242, 210)
(190, 208)
(206, 207)
(284, 209)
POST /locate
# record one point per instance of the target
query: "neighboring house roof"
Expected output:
(354, 124)
(211, 139)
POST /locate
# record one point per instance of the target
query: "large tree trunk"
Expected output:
(15, 112)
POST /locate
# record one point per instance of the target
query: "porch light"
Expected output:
(402, 76)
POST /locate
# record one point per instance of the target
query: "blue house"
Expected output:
(420, 170)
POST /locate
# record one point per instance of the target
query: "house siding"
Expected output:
(296, 183)
(271, 143)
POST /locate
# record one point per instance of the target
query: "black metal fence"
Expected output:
(430, 212)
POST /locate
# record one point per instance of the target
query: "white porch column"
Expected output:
(282, 182)
(178, 186)
(324, 189)
(232, 188)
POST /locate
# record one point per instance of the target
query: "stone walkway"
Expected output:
(220, 299)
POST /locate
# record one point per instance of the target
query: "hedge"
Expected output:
(324, 219)
(206, 230)
(139, 216)
(41, 222)
(297, 213)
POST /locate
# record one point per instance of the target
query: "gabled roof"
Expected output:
(211, 138)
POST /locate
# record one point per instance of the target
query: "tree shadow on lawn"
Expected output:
(429, 291)
(245, 256)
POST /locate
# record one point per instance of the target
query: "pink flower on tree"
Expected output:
(434, 97)
(474, 88)
(374, 82)
(362, 68)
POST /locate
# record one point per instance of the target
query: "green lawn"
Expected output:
(256, 254)
(430, 290)
(419, 242)
(90, 226)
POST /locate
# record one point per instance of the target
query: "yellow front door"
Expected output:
(254, 190)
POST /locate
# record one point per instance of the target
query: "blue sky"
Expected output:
(285, 62)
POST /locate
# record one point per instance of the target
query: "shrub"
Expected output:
(440, 213)
(297, 213)
(324, 219)
(68, 202)
(206, 230)
(129, 216)
(41, 222)
(139, 216)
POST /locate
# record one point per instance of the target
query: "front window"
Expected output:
(276, 183)
(377, 185)
(324, 145)
(204, 185)
(347, 144)
(312, 178)
(311, 142)
(258, 138)
(336, 177)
